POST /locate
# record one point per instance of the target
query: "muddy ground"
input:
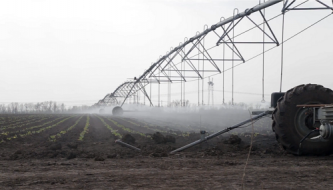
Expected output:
(97, 162)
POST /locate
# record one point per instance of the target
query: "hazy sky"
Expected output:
(77, 51)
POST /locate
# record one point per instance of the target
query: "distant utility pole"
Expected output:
(138, 97)
(144, 97)
(210, 90)
(169, 87)
(151, 98)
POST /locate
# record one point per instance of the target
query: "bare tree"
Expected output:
(2, 108)
(21, 107)
(14, 107)
(38, 106)
(55, 106)
(45, 106)
(63, 107)
(49, 106)
(26, 107)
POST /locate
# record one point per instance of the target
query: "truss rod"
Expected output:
(212, 28)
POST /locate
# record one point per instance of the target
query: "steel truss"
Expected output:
(194, 56)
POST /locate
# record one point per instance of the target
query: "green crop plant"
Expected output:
(145, 125)
(26, 129)
(85, 130)
(159, 130)
(71, 127)
(148, 126)
(49, 127)
(25, 123)
(54, 137)
(45, 128)
(4, 133)
(136, 124)
(125, 128)
(18, 121)
(114, 132)
(34, 127)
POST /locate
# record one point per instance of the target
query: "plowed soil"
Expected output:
(37, 161)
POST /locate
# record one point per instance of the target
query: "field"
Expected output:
(79, 151)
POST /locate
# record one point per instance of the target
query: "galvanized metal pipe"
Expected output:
(219, 133)
(212, 28)
(199, 35)
(127, 145)
(223, 22)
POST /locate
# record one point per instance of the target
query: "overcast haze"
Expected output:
(78, 51)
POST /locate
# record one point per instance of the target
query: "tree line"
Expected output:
(40, 107)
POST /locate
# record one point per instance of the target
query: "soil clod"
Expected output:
(161, 139)
(112, 156)
(72, 145)
(99, 158)
(71, 156)
(169, 138)
(163, 154)
(158, 138)
(91, 155)
(13, 157)
(56, 146)
(18, 152)
(233, 139)
(128, 139)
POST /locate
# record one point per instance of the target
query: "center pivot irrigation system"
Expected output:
(302, 116)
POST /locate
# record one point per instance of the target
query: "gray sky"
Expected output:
(78, 51)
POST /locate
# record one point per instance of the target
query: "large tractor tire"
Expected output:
(291, 124)
(117, 111)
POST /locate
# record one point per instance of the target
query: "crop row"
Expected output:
(45, 128)
(19, 125)
(85, 130)
(151, 127)
(30, 132)
(30, 128)
(175, 124)
(58, 135)
(139, 125)
(114, 132)
(125, 128)
(18, 120)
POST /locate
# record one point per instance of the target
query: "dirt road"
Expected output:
(175, 172)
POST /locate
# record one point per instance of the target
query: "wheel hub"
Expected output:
(305, 121)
